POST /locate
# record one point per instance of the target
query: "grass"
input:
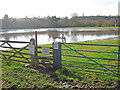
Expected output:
(16, 74)
(92, 27)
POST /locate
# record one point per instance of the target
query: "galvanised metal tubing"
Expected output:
(89, 68)
(88, 58)
(91, 51)
(91, 63)
(91, 57)
(92, 44)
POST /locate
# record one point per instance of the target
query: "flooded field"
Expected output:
(45, 35)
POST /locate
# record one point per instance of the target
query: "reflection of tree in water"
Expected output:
(52, 34)
(75, 35)
(6, 37)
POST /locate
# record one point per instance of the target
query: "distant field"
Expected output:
(93, 27)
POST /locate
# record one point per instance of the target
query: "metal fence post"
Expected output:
(57, 56)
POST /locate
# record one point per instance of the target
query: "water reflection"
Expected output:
(46, 36)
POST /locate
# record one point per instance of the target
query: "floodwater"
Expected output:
(45, 35)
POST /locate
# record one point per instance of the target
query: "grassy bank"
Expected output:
(15, 74)
(92, 27)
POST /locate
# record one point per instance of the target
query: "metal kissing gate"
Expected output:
(98, 58)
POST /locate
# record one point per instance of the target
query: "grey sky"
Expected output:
(60, 8)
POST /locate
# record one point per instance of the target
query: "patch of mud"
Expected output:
(43, 69)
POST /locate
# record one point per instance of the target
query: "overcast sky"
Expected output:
(59, 8)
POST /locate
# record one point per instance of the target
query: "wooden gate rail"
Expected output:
(16, 53)
(47, 57)
(12, 47)
(41, 47)
(17, 56)
(13, 41)
(41, 51)
(14, 50)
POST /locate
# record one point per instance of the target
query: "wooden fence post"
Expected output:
(36, 56)
(32, 42)
(57, 55)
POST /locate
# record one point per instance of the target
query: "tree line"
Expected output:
(58, 22)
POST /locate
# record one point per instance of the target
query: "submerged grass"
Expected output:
(16, 74)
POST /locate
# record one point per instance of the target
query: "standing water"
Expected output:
(45, 35)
